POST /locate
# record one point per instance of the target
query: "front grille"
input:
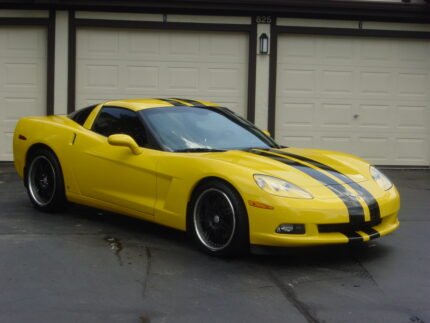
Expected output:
(345, 227)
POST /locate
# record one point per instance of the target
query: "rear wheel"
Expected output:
(44, 179)
(217, 219)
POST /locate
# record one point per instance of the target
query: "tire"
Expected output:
(44, 181)
(217, 219)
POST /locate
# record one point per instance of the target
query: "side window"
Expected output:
(81, 115)
(113, 120)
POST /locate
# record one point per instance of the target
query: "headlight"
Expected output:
(380, 178)
(279, 187)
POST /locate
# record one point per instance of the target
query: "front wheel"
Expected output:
(44, 179)
(217, 219)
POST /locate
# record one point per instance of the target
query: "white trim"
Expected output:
(118, 16)
(61, 61)
(297, 22)
(209, 19)
(350, 24)
(262, 81)
(396, 26)
(24, 14)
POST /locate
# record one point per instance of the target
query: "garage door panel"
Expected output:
(334, 115)
(142, 78)
(22, 79)
(102, 76)
(131, 44)
(375, 148)
(299, 140)
(336, 143)
(100, 44)
(373, 117)
(410, 150)
(297, 51)
(22, 75)
(413, 118)
(337, 82)
(22, 42)
(376, 84)
(142, 44)
(227, 80)
(297, 115)
(376, 52)
(226, 47)
(414, 54)
(377, 96)
(337, 51)
(297, 82)
(412, 85)
(184, 44)
(183, 78)
(17, 107)
(160, 63)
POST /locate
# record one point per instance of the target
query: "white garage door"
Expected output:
(113, 64)
(367, 96)
(22, 79)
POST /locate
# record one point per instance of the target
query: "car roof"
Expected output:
(148, 103)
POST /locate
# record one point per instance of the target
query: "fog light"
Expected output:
(291, 228)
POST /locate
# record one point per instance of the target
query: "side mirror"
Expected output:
(125, 141)
(267, 133)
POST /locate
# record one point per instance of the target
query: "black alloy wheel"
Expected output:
(218, 220)
(44, 181)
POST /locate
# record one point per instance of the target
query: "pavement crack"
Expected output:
(148, 255)
(115, 245)
(366, 273)
(291, 296)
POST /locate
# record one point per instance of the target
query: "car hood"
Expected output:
(303, 167)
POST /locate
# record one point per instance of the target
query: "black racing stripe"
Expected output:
(354, 237)
(355, 210)
(192, 102)
(373, 234)
(172, 102)
(375, 212)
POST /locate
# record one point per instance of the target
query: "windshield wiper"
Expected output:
(198, 150)
(265, 148)
(259, 148)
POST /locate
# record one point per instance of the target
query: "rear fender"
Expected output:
(54, 133)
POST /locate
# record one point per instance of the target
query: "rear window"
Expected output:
(81, 115)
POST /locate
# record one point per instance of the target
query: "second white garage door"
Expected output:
(367, 96)
(127, 63)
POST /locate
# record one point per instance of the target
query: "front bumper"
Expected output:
(313, 237)
(325, 221)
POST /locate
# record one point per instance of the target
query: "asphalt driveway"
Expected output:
(86, 265)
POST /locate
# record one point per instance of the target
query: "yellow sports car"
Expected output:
(198, 167)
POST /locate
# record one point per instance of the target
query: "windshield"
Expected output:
(203, 129)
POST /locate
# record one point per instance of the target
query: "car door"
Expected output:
(114, 174)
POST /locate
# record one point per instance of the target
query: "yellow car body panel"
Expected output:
(157, 185)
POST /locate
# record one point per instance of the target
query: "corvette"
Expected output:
(198, 167)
